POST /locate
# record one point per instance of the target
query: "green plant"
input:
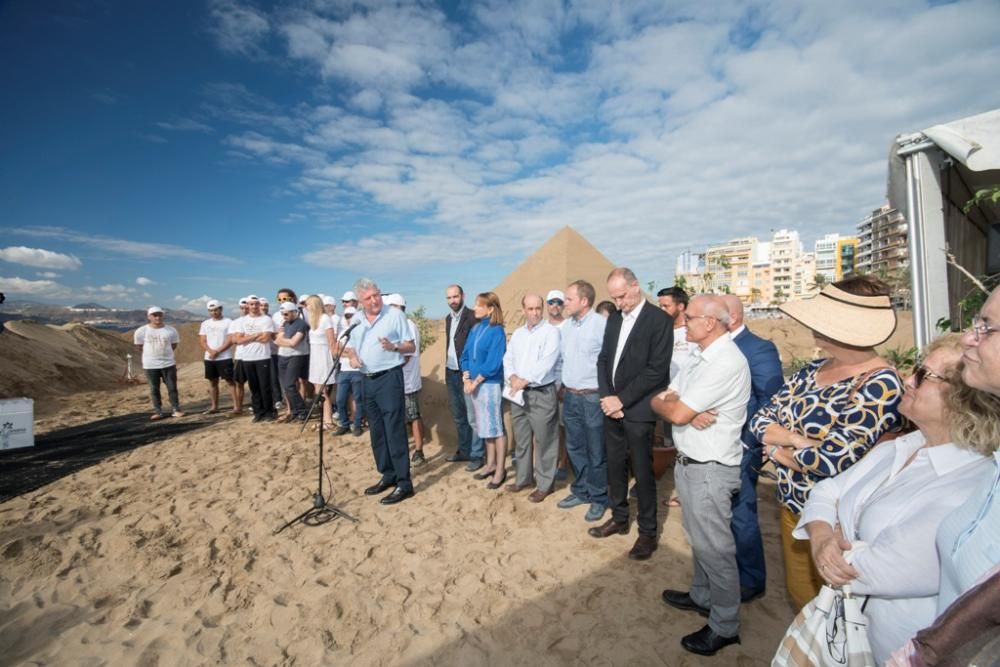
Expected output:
(795, 364)
(681, 283)
(901, 358)
(991, 194)
(424, 326)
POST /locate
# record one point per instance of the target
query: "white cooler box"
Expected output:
(17, 423)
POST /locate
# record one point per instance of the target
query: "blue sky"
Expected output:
(170, 152)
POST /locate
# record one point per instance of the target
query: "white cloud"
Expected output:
(143, 281)
(185, 125)
(238, 28)
(195, 305)
(15, 288)
(109, 244)
(40, 258)
(48, 274)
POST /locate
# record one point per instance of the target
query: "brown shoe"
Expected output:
(609, 528)
(516, 488)
(643, 548)
(538, 495)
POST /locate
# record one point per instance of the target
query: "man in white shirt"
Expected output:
(253, 333)
(349, 382)
(674, 301)
(529, 366)
(276, 390)
(215, 341)
(239, 373)
(707, 404)
(156, 343)
(412, 383)
(581, 340)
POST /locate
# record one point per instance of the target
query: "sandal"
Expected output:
(673, 502)
(157, 417)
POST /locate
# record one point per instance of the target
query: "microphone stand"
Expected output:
(321, 511)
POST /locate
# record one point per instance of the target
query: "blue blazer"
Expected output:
(765, 376)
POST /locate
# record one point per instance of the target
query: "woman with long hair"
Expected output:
(482, 373)
(323, 346)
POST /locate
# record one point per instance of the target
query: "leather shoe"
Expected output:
(538, 495)
(515, 488)
(474, 464)
(707, 642)
(397, 496)
(379, 488)
(456, 457)
(609, 528)
(749, 595)
(681, 600)
(643, 548)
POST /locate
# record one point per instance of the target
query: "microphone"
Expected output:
(351, 328)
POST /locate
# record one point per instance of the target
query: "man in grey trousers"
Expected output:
(529, 367)
(707, 405)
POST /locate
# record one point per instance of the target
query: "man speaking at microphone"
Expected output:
(376, 346)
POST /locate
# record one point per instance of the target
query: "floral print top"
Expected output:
(848, 417)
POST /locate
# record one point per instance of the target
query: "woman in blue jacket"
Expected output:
(482, 371)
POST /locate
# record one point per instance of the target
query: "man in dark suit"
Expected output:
(633, 366)
(765, 379)
(456, 330)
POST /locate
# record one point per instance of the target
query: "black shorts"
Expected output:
(239, 372)
(219, 368)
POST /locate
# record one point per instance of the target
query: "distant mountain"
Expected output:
(93, 314)
(90, 306)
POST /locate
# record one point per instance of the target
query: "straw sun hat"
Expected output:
(849, 319)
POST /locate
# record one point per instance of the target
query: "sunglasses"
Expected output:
(285, 298)
(921, 373)
(157, 315)
(555, 302)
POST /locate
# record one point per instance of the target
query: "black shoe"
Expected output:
(706, 642)
(749, 595)
(397, 496)
(681, 600)
(418, 458)
(379, 488)
(456, 457)
(356, 431)
(474, 464)
(256, 418)
(343, 430)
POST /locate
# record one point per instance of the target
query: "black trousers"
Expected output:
(631, 442)
(259, 378)
(290, 370)
(386, 414)
(275, 380)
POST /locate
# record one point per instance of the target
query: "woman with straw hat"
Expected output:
(833, 411)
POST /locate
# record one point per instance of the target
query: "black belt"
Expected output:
(539, 387)
(688, 461)
(375, 376)
(452, 370)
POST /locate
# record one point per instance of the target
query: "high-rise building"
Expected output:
(882, 242)
(847, 251)
(825, 250)
(728, 265)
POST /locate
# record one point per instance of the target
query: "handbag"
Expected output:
(830, 631)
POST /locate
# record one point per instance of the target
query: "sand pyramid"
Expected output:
(565, 257)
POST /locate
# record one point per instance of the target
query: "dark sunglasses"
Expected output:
(285, 298)
(555, 302)
(921, 373)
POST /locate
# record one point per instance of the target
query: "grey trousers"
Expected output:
(706, 493)
(536, 430)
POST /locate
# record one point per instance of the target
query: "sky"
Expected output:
(170, 153)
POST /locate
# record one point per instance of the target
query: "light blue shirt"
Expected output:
(968, 540)
(581, 343)
(390, 323)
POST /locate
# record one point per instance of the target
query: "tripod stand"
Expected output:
(321, 511)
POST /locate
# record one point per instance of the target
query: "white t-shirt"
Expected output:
(345, 361)
(157, 346)
(279, 321)
(237, 349)
(411, 367)
(317, 336)
(249, 325)
(682, 351)
(216, 332)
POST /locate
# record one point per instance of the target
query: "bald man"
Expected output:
(765, 380)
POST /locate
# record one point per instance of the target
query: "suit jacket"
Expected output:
(765, 376)
(466, 321)
(644, 367)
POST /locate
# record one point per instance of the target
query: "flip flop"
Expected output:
(673, 502)
(209, 412)
(156, 417)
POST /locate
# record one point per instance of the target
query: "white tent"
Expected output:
(932, 174)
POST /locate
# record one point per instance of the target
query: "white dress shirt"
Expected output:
(628, 322)
(452, 355)
(581, 345)
(681, 355)
(894, 512)
(532, 354)
(717, 378)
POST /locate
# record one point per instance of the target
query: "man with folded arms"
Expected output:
(239, 372)
(707, 405)
(156, 343)
(376, 347)
(254, 333)
(214, 339)
(293, 353)
(582, 337)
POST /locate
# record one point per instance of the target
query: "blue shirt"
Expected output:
(389, 323)
(581, 343)
(483, 352)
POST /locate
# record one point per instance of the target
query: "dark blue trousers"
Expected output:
(386, 412)
(746, 529)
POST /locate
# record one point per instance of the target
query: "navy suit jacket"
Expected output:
(765, 375)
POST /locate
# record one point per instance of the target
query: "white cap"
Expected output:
(349, 296)
(350, 310)
(287, 307)
(329, 300)
(213, 304)
(302, 299)
(154, 309)
(243, 301)
(252, 297)
(264, 302)
(555, 294)
(393, 300)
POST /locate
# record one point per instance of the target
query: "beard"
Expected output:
(456, 307)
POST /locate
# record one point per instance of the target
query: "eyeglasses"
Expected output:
(555, 302)
(921, 373)
(980, 329)
(285, 298)
(700, 317)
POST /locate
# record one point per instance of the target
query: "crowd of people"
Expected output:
(886, 483)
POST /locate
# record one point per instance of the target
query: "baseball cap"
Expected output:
(392, 300)
(264, 302)
(213, 304)
(288, 306)
(349, 296)
(252, 297)
(329, 300)
(350, 310)
(555, 294)
(154, 309)
(243, 301)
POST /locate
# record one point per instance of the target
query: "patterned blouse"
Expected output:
(847, 417)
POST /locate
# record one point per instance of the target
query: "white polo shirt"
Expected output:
(716, 378)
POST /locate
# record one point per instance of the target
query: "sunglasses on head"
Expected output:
(921, 373)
